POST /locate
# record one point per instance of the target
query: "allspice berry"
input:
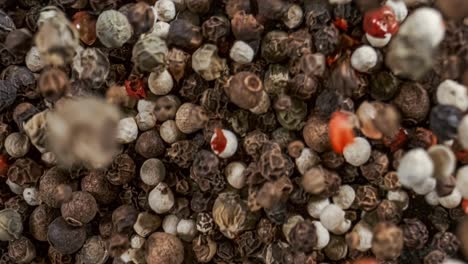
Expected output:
(21, 250)
(65, 238)
(50, 184)
(99, 187)
(413, 102)
(387, 242)
(122, 171)
(164, 248)
(244, 89)
(80, 210)
(150, 144)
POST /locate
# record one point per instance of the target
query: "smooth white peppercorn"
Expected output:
(293, 17)
(161, 29)
(127, 130)
(113, 29)
(166, 10)
(399, 8)
(432, 198)
(169, 224)
(235, 176)
(426, 187)
(365, 235)
(315, 207)
(160, 83)
(152, 172)
(462, 181)
(333, 219)
(241, 52)
(424, 24)
(137, 241)
(323, 236)
(452, 93)
(161, 199)
(17, 144)
(379, 42)
(415, 167)
(144, 105)
(399, 196)
(452, 200)
(444, 161)
(186, 230)
(358, 152)
(364, 58)
(14, 188)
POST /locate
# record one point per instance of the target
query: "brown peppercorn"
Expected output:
(413, 101)
(96, 184)
(21, 250)
(117, 244)
(182, 153)
(421, 138)
(367, 197)
(50, 184)
(246, 28)
(123, 219)
(105, 226)
(248, 244)
(253, 143)
(440, 219)
(64, 238)
(122, 170)
(177, 63)
(164, 248)
(389, 211)
(199, 7)
(185, 35)
(299, 43)
(273, 192)
(101, 5)
(216, 28)
(332, 160)
(55, 257)
(22, 113)
(315, 134)
(435, 257)
(39, 221)
(244, 89)
(24, 172)
(275, 46)
(141, 16)
(390, 181)
(463, 235)
(204, 248)
(266, 231)
(303, 236)
(446, 242)
(150, 145)
(94, 251)
(273, 163)
(53, 83)
(337, 249)
(303, 86)
(295, 148)
(321, 182)
(415, 233)
(376, 167)
(190, 118)
(205, 170)
(80, 210)
(387, 242)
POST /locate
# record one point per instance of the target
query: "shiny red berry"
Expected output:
(85, 23)
(381, 21)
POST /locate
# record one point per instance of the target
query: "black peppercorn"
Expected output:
(415, 233)
(185, 35)
(303, 236)
(444, 121)
(7, 94)
(383, 85)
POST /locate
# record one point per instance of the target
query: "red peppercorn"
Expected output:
(340, 131)
(380, 22)
(3, 165)
(465, 205)
(341, 23)
(85, 23)
(135, 88)
(398, 141)
(366, 261)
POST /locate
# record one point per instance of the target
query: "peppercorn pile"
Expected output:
(234, 131)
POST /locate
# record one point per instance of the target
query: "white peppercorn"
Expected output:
(364, 59)
(113, 29)
(31, 196)
(144, 105)
(161, 29)
(333, 219)
(166, 10)
(345, 197)
(33, 60)
(160, 83)
(426, 187)
(186, 230)
(415, 167)
(399, 8)
(152, 172)
(145, 120)
(358, 152)
(207, 63)
(432, 198)
(444, 161)
(169, 132)
(452, 93)
(137, 241)
(315, 207)
(452, 200)
(14, 188)
(399, 196)
(235, 176)
(323, 236)
(161, 199)
(170, 223)
(241, 52)
(127, 130)
(365, 236)
(379, 42)
(17, 144)
(293, 17)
